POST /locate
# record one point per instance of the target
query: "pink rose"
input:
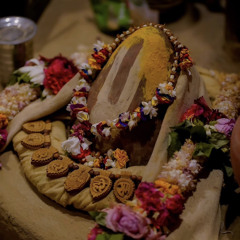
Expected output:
(225, 125)
(122, 219)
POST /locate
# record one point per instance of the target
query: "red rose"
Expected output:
(58, 72)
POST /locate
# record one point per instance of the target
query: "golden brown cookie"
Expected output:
(33, 141)
(34, 127)
(57, 169)
(100, 186)
(42, 157)
(77, 180)
(123, 189)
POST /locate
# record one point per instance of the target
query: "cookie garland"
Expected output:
(78, 143)
(38, 135)
(78, 177)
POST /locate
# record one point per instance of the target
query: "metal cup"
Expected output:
(16, 44)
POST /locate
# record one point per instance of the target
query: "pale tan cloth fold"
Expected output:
(41, 108)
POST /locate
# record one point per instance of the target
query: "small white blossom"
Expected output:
(72, 145)
(82, 116)
(82, 84)
(106, 131)
(148, 109)
(99, 45)
(124, 117)
(110, 163)
(35, 72)
(85, 144)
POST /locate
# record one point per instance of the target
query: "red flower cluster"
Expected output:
(201, 111)
(168, 207)
(58, 72)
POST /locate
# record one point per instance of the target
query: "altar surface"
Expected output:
(66, 24)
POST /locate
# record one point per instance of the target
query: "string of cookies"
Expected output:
(78, 176)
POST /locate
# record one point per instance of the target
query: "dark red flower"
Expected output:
(175, 204)
(201, 111)
(59, 70)
(149, 196)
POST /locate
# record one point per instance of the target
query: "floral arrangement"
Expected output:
(155, 212)
(83, 133)
(39, 77)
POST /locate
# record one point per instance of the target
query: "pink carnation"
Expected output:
(94, 233)
(122, 219)
(175, 204)
(225, 125)
(155, 235)
(3, 137)
(58, 72)
(149, 196)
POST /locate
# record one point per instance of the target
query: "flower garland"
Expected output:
(39, 77)
(83, 132)
(155, 211)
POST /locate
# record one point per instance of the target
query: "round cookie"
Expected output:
(33, 141)
(34, 127)
(42, 157)
(76, 181)
(57, 169)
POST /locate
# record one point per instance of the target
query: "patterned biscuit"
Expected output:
(33, 141)
(57, 169)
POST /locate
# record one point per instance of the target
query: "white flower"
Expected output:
(99, 45)
(110, 163)
(124, 117)
(89, 161)
(86, 143)
(194, 167)
(72, 145)
(35, 72)
(133, 121)
(68, 108)
(94, 130)
(148, 109)
(82, 116)
(154, 101)
(208, 129)
(167, 88)
(79, 100)
(110, 153)
(46, 92)
(83, 84)
(78, 58)
(107, 131)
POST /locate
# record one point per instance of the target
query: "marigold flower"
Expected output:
(121, 157)
(3, 121)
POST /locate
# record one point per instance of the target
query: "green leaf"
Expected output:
(93, 214)
(107, 236)
(198, 122)
(218, 140)
(198, 134)
(100, 218)
(174, 143)
(203, 149)
(229, 171)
